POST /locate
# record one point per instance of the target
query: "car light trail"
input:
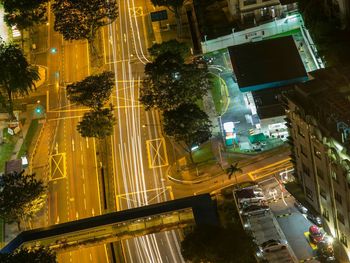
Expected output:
(128, 142)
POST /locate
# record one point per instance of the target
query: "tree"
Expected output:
(188, 125)
(174, 6)
(19, 193)
(233, 169)
(24, 14)
(218, 244)
(32, 255)
(97, 123)
(17, 76)
(93, 91)
(169, 82)
(81, 19)
(172, 46)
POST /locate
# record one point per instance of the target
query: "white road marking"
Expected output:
(87, 142)
(85, 203)
(73, 148)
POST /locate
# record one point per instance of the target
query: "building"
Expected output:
(251, 12)
(318, 115)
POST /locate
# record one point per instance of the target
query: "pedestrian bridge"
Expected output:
(120, 225)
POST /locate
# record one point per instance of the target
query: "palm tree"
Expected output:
(233, 169)
(17, 76)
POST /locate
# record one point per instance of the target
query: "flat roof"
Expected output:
(267, 64)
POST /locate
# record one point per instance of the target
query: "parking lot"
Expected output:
(283, 221)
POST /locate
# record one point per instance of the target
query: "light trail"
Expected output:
(128, 142)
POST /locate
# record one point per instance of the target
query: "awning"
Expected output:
(260, 137)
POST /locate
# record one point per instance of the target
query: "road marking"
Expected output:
(77, 215)
(57, 166)
(83, 173)
(90, 257)
(85, 203)
(278, 199)
(87, 142)
(93, 212)
(81, 146)
(73, 148)
(157, 153)
(312, 245)
(136, 11)
(284, 215)
(82, 159)
(84, 188)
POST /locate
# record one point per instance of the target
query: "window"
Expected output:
(340, 217)
(320, 173)
(334, 175)
(249, 2)
(325, 214)
(306, 170)
(343, 239)
(300, 132)
(302, 149)
(317, 153)
(309, 193)
(323, 194)
(337, 197)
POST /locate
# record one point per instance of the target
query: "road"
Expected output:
(72, 168)
(139, 148)
(293, 224)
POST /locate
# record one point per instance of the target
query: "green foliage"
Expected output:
(217, 244)
(172, 46)
(17, 194)
(81, 19)
(33, 255)
(169, 82)
(97, 123)
(33, 127)
(188, 125)
(233, 169)
(93, 91)
(17, 76)
(24, 14)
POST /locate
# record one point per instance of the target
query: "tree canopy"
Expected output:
(81, 19)
(169, 82)
(17, 76)
(217, 244)
(97, 123)
(188, 125)
(33, 255)
(172, 46)
(93, 91)
(19, 194)
(24, 14)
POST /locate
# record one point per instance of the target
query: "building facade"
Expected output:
(318, 117)
(251, 12)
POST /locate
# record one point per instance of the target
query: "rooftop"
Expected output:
(267, 64)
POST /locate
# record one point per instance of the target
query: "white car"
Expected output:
(272, 245)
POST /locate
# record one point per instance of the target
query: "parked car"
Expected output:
(300, 207)
(316, 235)
(250, 202)
(272, 245)
(255, 210)
(314, 219)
